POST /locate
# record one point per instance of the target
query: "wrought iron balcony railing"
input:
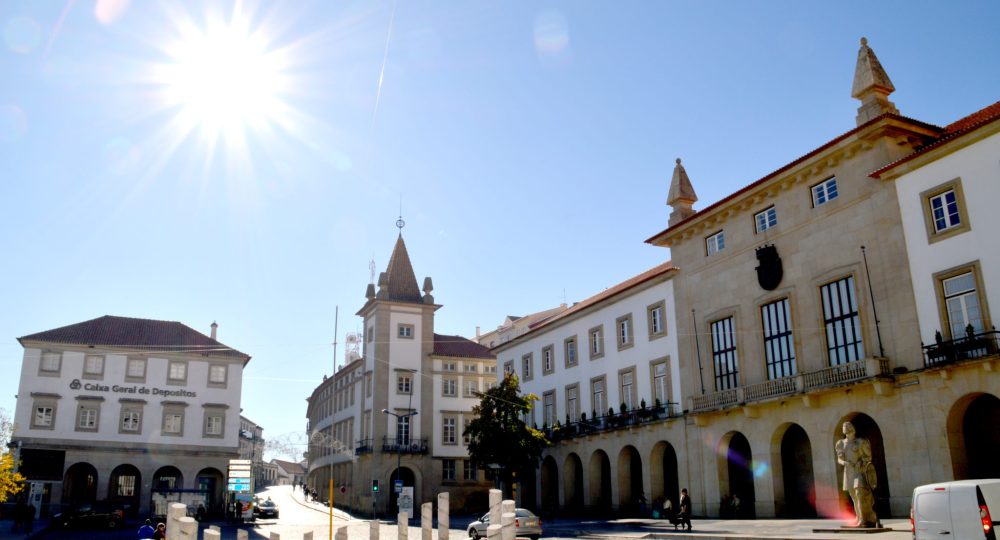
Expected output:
(611, 422)
(971, 346)
(364, 446)
(404, 446)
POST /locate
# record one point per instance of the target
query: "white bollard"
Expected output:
(212, 534)
(215, 528)
(426, 520)
(308, 535)
(275, 536)
(175, 511)
(373, 529)
(507, 507)
(443, 522)
(188, 529)
(242, 534)
(508, 532)
(496, 496)
(493, 532)
(403, 526)
(340, 535)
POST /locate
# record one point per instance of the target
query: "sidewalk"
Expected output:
(710, 529)
(7, 534)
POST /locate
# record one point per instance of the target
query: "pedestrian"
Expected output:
(684, 517)
(161, 532)
(146, 531)
(737, 506)
(642, 503)
(200, 513)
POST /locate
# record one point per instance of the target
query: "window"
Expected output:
(448, 470)
(124, 483)
(93, 366)
(449, 387)
(44, 417)
(715, 243)
(596, 342)
(403, 430)
(217, 374)
(945, 211)
(490, 369)
(724, 354)
(548, 360)
(449, 366)
(177, 372)
(86, 415)
(508, 367)
(766, 219)
(573, 402)
(824, 192)
(661, 382)
(403, 384)
(779, 347)
(173, 422)
(569, 347)
(135, 370)
(471, 387)
(841, 322)
(465, 430)
(469, 471)
(471, 368)
(526, 367)
(406, 331)
(959, 292)
(50, 364)
(448, 430)
(215, 421)
(627, 379)
(624, 326)
(599, 398)
(549, 408)
(131, 418)
(655, 319)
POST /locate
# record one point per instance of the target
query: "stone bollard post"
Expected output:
(507, 532)
(341, 534)
(493, 532)
(443, 522)
(215, 528)
(373, 529)
(308, 535)
(496, 496)
(426, 520)
(507, 507)
(242, 534)
(403, 526)
(275, 536)
(175, 511)
(212, 535)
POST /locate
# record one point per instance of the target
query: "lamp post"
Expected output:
(399, 453)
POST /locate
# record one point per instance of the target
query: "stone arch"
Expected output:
(573, 482)
(792, 472)
(865, 427)
(663, 474)
(212, 482)
(550, 484)
(124, 486)
(599, 472)
(79, 484)
(408, 477)
(629, 479)
(168, 477)
(735, 470)
(971, 446)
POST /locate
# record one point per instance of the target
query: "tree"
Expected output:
(498, 434)
(11, 482)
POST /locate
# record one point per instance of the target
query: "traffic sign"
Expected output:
(239, 480)
(239, 488)
(239, 467)
(239, 474)
(343, 489)
(239, 462)
(398, 486)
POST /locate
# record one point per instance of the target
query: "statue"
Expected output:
(860, 477)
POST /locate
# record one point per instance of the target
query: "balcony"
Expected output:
(364, 446)
(404, 446)
(972, 346)
(611, 422)
(850, 373)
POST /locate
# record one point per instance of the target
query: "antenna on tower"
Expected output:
(371, 271)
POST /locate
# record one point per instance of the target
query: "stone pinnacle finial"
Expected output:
(871, 85)
(681, 195)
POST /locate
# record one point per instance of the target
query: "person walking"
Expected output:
(146, 531)
(684, 516)
(161, 532)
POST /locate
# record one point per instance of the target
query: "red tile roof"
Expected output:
(951, 132)
(142, 334)
(460, 347)
(606, 294)
(289, 467)
(792, 164)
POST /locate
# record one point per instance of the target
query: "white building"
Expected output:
(606, 365)
(252, 448)
(118, 408)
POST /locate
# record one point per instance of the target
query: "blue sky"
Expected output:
(530, 142)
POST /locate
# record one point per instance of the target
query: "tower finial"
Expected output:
(871, 85)
(681, 196)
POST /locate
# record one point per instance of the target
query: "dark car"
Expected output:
(88, 517)
(266, 509)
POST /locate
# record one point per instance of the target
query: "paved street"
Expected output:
(297, 517)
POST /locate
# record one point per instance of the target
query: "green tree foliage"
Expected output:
(498, 434)
(11, 482)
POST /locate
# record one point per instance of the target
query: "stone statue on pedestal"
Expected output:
(860, 477)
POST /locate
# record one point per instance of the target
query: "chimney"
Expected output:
(477, 332)
(215, 329)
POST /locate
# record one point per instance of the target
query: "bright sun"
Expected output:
(223, 78)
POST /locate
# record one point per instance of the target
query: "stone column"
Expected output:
(493, 532)
(443, 523)
(242, 535)
(373, 529)
(308, 535)
(403, 526)
(496, 497)
(507, 531)
(341, 534)
(212, 535)
(215, 528)
(426, 520)
(275, 536)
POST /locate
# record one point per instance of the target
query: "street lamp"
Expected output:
(399, 452)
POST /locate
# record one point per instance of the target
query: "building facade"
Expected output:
(128, 411)
(398, 412)
(252, 448)
(812, 297)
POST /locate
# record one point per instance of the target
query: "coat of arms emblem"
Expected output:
(769, 271)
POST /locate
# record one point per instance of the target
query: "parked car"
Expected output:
(89, 516)
(266, 509)
(526, 524)
(965, 509)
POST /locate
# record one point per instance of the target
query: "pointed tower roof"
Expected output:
(871, 85)
(401, 282)
(681, 195)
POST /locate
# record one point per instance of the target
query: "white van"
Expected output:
(962, 510)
